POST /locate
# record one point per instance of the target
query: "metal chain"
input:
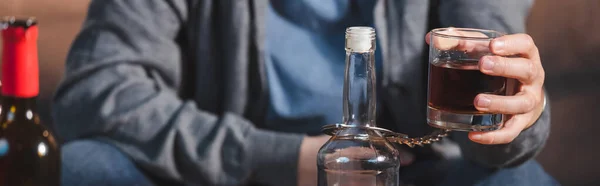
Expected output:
(391, 136)
(435, 136)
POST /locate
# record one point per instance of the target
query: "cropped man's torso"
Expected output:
(274, 95)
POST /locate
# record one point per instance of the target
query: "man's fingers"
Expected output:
(512, 128)
(515, 44)
(518, 104)
(428, 37)
(523, 69)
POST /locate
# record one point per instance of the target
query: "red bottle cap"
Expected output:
(20, 71)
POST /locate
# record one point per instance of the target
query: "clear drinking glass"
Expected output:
(455, 80)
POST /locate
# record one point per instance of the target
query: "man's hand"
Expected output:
(527, 104)
(307, 162)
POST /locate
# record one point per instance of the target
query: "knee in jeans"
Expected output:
(92, 162)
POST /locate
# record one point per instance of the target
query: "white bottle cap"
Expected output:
(360, 39)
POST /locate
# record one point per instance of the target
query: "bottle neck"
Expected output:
(20, 73)
(359, 89)
(23, 110)
(22, 103)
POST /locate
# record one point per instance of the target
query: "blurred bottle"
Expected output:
(29, 154)
(357, 155)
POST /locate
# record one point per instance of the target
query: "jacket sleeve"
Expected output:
(120, 86)
(508, 16)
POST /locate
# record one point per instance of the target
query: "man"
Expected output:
(207, 92)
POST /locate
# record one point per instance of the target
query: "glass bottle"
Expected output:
(357, 155)
(29, 154)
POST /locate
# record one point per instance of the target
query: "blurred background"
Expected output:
(567, 33)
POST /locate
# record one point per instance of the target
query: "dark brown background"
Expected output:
(567, 33)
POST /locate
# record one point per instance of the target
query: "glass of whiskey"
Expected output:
(454, 80)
